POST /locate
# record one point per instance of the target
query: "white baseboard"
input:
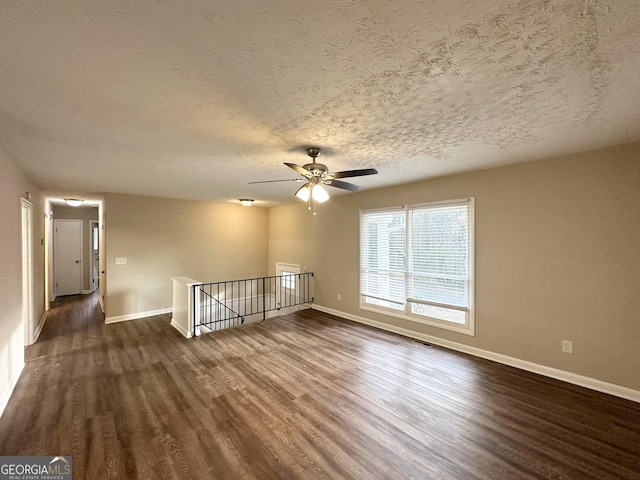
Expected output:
(86, 292)
(38, 331)
(587, 382)
(180, 328)
(136, 316)
(6, 395)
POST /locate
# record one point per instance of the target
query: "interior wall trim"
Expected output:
(178, 326)
(40, 326)
(4, 399)
(136, 316)
(569, 377)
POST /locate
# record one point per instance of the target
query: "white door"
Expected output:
(68, 256)
(287, 287)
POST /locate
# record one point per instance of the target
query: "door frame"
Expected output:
(95, 237)
(27, 271)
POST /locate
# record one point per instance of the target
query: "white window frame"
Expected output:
(468, 328)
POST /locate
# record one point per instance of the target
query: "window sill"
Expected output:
(466, 329)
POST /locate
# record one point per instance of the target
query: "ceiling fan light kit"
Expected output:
(319, 194)
(303, 193)
(317, 175)
(316, 192)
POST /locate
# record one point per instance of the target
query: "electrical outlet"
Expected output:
(339, 297)
(121, 260)
(567, 346)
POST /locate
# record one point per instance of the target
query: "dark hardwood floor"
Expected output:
(302, 396)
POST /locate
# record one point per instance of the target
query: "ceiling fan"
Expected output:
(317, 175)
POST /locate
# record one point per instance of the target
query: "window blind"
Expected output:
(382, 255)
(438, 256)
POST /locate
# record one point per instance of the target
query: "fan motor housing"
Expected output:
(317, 169)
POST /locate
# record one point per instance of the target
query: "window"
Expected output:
(416, 263)
(288, 280)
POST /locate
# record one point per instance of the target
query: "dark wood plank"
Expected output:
(307, 396)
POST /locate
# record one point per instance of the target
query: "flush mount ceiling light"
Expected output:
(73, 202)
(247, 202)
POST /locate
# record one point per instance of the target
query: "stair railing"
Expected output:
(216, 315)
(219, 305)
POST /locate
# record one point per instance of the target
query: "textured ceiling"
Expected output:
(195, 99)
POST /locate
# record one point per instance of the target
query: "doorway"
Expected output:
(67, 253)
(287, 287)
(27, 271)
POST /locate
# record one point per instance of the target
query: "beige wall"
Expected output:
(164, 238)
(557, 257)
(86, 214)
(13, 185)
(291, 232)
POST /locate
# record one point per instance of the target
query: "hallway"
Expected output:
(72, 393)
